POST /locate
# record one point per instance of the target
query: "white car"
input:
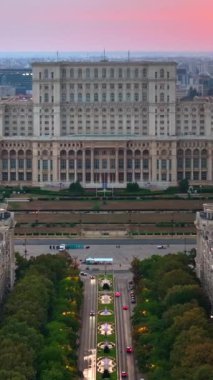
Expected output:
(161, 246)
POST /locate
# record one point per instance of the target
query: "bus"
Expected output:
(99, 260)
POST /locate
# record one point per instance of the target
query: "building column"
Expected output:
(209, 166)
(133, 169)
(116, 165)
(125, 166)
(75, 168)
(83, 168)
(55, 163)
(92, 165)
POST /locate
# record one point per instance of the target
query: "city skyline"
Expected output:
(149, 25)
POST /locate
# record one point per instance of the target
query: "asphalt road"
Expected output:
(122, 257)
(145, 241)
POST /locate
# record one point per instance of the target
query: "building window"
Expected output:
(21, 176)
(121, 163)
(104, 164)
(87, 73)
(203, 176)
(5, 164)
(129, 164)
(21, 163)
(13, 176)
(45, 164)
(71, 164)
(137, 163)
(145, 163)
(12, 163)
(96, 164)
(161, 73)
(63, 164)
(163, 164)
(5, 176)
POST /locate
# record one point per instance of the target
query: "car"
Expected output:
(83, 273)
(87, 247)
(161, 246)
(92, 313)
(133, 300)
(125, 307)
(129, 349)
(92, 277)
(117, 294)
(124, 374)
(132, 293)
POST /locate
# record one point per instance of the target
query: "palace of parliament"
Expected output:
(105, 123)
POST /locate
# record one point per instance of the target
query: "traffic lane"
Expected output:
(122, 255)
(87, 349)
(127, 325)
(119, 329)
(126, 241)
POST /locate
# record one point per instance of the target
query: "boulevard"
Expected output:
(121, 252)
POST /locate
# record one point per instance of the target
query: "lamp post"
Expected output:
(25, 248)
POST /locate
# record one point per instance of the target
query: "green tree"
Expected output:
(132, 187)
(76, 188)
(183, 185)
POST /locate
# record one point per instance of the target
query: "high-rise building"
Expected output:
(105, 124)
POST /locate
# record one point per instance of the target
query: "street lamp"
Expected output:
(25, 248)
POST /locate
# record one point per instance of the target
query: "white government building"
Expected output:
(105, 124)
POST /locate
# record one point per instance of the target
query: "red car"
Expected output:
(117, 294)
(124, 374)
(129, 349)
(125, 307)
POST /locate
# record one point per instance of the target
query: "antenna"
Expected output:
(57, 56)
(104, 54)
(128, 55)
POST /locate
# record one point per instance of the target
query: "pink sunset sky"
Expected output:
(92, 25)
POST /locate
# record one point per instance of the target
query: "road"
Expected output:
(122, 256)
(145, 241)
(123, 325)
(87, 349)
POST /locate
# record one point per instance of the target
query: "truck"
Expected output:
(64, 247)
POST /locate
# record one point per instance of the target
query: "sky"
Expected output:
(113, 25)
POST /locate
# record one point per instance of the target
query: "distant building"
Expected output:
(7, 259)
(20, 79)
(6, 91)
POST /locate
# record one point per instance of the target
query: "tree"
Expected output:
(76, 188)
(132, 187)
(183, 185)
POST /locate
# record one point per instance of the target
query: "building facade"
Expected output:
(204, 256)
(7, 258)
(105, 124)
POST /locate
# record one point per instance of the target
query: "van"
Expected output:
(62, 247)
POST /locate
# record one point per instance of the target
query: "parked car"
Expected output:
(92, 313)
(117, 294)
(129, 349)
(125, 307)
